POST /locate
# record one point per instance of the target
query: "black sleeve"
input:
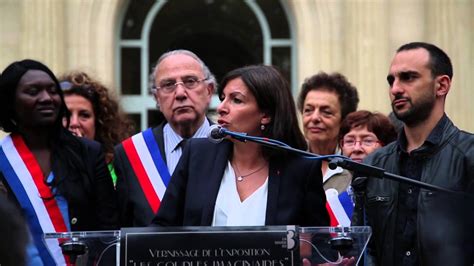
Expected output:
(171, 211)
(358, 186)
(315, 197)
(105, 201)
(124, 206)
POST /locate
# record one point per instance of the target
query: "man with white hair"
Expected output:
(183, 87)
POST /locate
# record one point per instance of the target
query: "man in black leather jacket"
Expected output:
(413, 226)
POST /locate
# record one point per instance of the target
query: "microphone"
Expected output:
(216, 134)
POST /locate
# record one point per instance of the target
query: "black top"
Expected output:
(295, 190)
(93, 205)
(411, 165)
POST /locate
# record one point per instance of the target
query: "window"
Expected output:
(225, 34)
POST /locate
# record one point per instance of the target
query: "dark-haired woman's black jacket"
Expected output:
(295, 189)
(95, 207)
(92, 200)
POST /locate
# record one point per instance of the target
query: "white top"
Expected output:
(230, 211)
(330, 172)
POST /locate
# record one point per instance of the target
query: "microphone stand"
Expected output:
(342, 242)
(341, 161)
(372, 171)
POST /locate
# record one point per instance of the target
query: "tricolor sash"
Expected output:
(26, 180)
(340, 207)
(150, 169)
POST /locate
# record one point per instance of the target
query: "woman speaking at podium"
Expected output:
(234, 183)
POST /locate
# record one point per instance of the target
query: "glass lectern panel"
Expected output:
(88, 247)
(333, 245)
(317, 245)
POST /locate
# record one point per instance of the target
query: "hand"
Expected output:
(345, 262)
(306, 250)
(76, 132)
(341, 262)
(306, 262)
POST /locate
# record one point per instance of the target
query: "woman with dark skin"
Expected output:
(60, 182)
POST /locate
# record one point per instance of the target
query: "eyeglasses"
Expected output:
(367, 143)
(168, 86)
(65, 85)
(83, 90)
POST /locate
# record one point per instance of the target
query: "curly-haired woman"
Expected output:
(95, 113)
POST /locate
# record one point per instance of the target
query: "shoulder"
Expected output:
(296, 163)
(457, 137)
(91, 147)
(91, 144)
(381, 154)
(203, 144)
(463, 139)
(78, 145)
(156, 131)
(462, 144)
(201, 151)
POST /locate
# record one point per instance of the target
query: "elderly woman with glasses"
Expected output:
(362, 132)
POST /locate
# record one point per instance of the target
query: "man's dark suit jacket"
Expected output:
(133, 205)
(295, 190)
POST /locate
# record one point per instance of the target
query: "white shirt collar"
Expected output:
(329, 173)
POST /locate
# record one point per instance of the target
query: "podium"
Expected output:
(88, 247)
(215, 246)
(333, 245)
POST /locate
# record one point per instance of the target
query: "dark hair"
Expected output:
(376, 123)
(440, 64)
(111, 124)
(335, 82)
(67, 151)
(8, 85)
(273, 96)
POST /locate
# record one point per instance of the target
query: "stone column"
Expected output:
(42, 32)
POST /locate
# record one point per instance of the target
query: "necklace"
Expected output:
(240, 178)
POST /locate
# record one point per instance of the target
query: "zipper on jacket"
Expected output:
(379, 199)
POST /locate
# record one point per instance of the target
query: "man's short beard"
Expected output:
(418, 112)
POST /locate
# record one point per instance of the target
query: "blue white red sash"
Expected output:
(340, 207)
(149, 167)
(25, 178)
